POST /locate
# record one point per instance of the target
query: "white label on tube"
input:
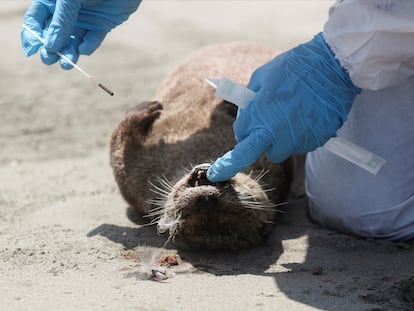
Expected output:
(234, 92)
(355, 154)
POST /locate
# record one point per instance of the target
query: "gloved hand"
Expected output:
(302, 98)
(72, 27)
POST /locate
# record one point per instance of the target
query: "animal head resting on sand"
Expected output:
(162, 148)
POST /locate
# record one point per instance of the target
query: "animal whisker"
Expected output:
(159, 203)
(169, 224)
(261, 174)
(148, 224)
(251, 202)
(154, 218)
(157, 190)
(156, 209)
(151, 215)
(163, 189)
(165, 182)
(263, 203)
(264, 209)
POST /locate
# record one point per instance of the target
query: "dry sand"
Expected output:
(69, 242)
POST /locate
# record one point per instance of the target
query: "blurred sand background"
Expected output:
(67, 239)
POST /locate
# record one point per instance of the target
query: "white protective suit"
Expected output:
(374, 41)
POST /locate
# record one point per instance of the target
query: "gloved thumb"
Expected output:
(62, 25)
(35, 18)
(244, 154)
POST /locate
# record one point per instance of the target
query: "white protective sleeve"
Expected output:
(373, 40)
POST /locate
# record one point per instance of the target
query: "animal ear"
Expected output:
(140, 118)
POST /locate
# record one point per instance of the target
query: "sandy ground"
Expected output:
(69, 242)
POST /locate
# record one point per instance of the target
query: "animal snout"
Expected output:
(207, 201)
(206, 194)
(198, 176)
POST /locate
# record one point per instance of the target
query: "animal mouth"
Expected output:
(199, 176)
(202, 195)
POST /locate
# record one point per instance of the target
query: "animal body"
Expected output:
(162, 148)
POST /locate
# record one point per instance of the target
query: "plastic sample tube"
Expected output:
(231, 91)
(355, 154)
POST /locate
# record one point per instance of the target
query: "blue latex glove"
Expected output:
(302, 98)
(72, 27)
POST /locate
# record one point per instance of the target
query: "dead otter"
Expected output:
(153, 149)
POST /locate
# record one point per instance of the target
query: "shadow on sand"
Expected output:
(338, 272)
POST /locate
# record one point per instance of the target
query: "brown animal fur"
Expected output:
(153, 149)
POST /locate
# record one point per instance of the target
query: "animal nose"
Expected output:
(198, 176)
(208, 201)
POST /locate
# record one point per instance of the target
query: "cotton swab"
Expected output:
(71, 63)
